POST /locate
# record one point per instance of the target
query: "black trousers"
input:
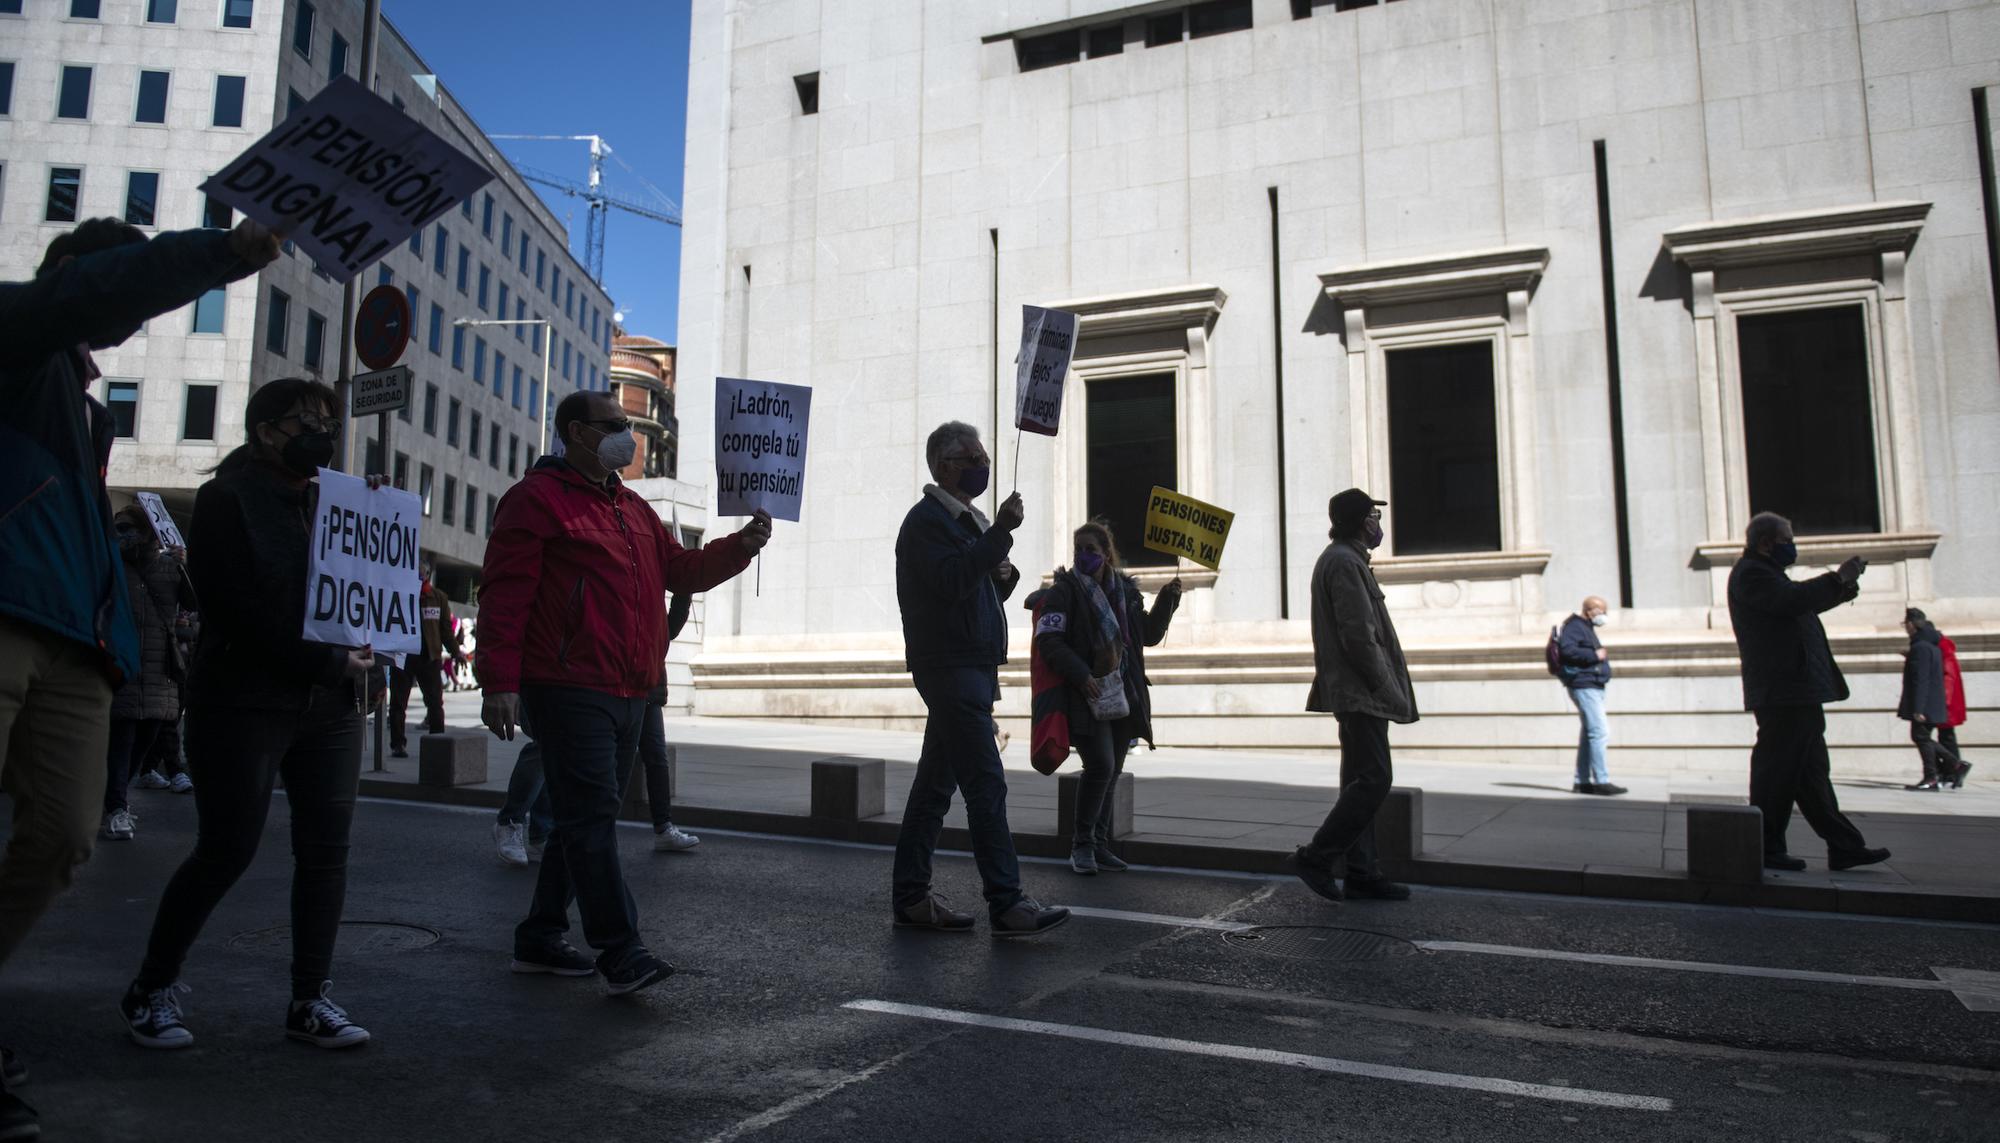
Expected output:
(430, 680)
(1103, 754)
(1939, 755)
(131, 744)
(589, 741)
(1789, 765)
(1365, 778)
(235, 755)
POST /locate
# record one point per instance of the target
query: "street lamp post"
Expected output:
(548, 353)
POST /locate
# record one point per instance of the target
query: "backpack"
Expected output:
(1554, 654)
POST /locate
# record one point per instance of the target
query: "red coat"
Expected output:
(1954, 686)
(575, 584)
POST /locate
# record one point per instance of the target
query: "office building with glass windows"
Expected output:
(1576, 287)
(123, 107)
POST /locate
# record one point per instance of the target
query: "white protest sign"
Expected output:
(163, 524)
(348, 176)
(760, 447)
(1048, 337)
(361, 584)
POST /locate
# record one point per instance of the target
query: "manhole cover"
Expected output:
(1316, 942)
(357, 938)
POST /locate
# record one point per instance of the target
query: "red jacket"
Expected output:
(1954, 683)
(575, 582)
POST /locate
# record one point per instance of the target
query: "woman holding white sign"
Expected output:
(262, 702)
(1093, 631)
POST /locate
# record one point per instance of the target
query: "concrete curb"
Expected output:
(1776, 891)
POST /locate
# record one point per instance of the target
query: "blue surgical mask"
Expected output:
(1786, 553)
(1597, 620)
(972, 481)
(1371, 533)
(1089, 562)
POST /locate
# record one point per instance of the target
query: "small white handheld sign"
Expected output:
(361, 574)
(760, 447)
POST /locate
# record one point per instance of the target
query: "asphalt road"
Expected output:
(799, 1014)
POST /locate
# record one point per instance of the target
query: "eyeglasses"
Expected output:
(973, 458)
(314, 423)
(617, 426)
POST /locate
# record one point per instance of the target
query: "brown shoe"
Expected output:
(932, 913)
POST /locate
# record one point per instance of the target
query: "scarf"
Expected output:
(1107, 641)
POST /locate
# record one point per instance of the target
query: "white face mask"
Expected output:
(1599, 620)
(616, 450)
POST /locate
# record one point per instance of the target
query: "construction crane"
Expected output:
(601, 200)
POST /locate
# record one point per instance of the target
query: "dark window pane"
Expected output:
(152, 97)
(1217, 17)
(142, 197)
(198, 420)
(162, 11)
(336, 58)
(122, 399)
(1108, 40)
(1807, 423)
(65, 184)
(315, 340)
(808, 89)
(1130, 431)
(84, 9)
(1047, 51)
(373, 457)
(10, 7)
(302, 30)
(215, 215)
(6, 87)
(293, 100)
(401, 476)
(73, 98)
(1444, 475)
(208, 311)
(278, 323)
(472, 437)
(229, 100)
(451, 418)
(450, 500)
(1163, 29)
(237, 13)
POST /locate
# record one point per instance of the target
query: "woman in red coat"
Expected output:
(1954, 705)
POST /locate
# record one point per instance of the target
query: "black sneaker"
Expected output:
(1853, 858)
(154, 1015)
(398, 752)
(1608, 789)
(933, 913)
(18, 1121)
(1785, 862)
(1583, 788)
(640, 969)
(1317, 877)
(1028, 917)
(1107, 861)
(1376, 889)
(322, 1023)
(557, 958)
(13, 1073)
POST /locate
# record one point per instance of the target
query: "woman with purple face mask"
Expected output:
(1093, 631)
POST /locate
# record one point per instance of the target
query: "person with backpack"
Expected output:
(1093, 629)
(1579, 659)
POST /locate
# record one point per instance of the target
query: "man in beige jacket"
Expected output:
(1359, 677)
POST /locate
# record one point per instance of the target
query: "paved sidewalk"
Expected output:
(1199, 807)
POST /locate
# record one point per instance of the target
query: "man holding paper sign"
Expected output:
(572, 639)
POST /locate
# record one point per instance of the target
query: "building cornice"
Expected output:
(1144, 311)
(1497, 271)
(1871, 228)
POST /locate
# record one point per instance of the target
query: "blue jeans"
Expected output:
(528, 798)
(588, 743)
(1591, 739)
(959, 753)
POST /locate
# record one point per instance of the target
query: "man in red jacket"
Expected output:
(572, 636)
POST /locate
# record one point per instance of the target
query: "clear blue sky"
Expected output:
(616, 68)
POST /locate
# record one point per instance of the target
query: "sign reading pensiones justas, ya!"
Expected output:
(1183, 526)
(760, 447)
(348, 177)
(362, 585)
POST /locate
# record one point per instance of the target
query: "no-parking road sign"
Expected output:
(382, 328)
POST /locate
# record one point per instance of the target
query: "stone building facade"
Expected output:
(642, 378)
(1575, 285)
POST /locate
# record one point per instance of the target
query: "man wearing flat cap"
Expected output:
(1360, 678)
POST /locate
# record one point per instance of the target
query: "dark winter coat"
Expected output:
(1923, 680)
(945, 590)
(1358, 665)
(157, 591)
(1579, 646)
(1786, 660)
(677, 618)
(59, 567)
(1064, 638)
(247, 555)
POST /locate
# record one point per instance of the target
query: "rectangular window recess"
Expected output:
(1218, 16)
(1164, 30)
(1053, 49)
(1808, 426)
(1444, 471)
(1108, 40)
(1131, 442)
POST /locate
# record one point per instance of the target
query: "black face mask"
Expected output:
(306, 453)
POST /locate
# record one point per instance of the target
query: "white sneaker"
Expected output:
(181, 784)
(153, 780)
(508, 844)
(674, 839)
(117, 826)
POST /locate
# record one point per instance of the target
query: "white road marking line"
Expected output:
(783, 1111)
(1270, 1056)
(1158, 919)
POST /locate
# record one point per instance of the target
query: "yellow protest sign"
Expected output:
(1183, 526)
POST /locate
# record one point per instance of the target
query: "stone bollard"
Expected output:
(638, 803)
(847, 789)
(454, 758)
(1067, 788)
(1726, 843)
(1399, 824)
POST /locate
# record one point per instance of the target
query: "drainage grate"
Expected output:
(1318, 942)
(357, 938)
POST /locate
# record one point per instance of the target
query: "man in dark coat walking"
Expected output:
(1923, 705)
(1788, 673)
(1360, 677)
